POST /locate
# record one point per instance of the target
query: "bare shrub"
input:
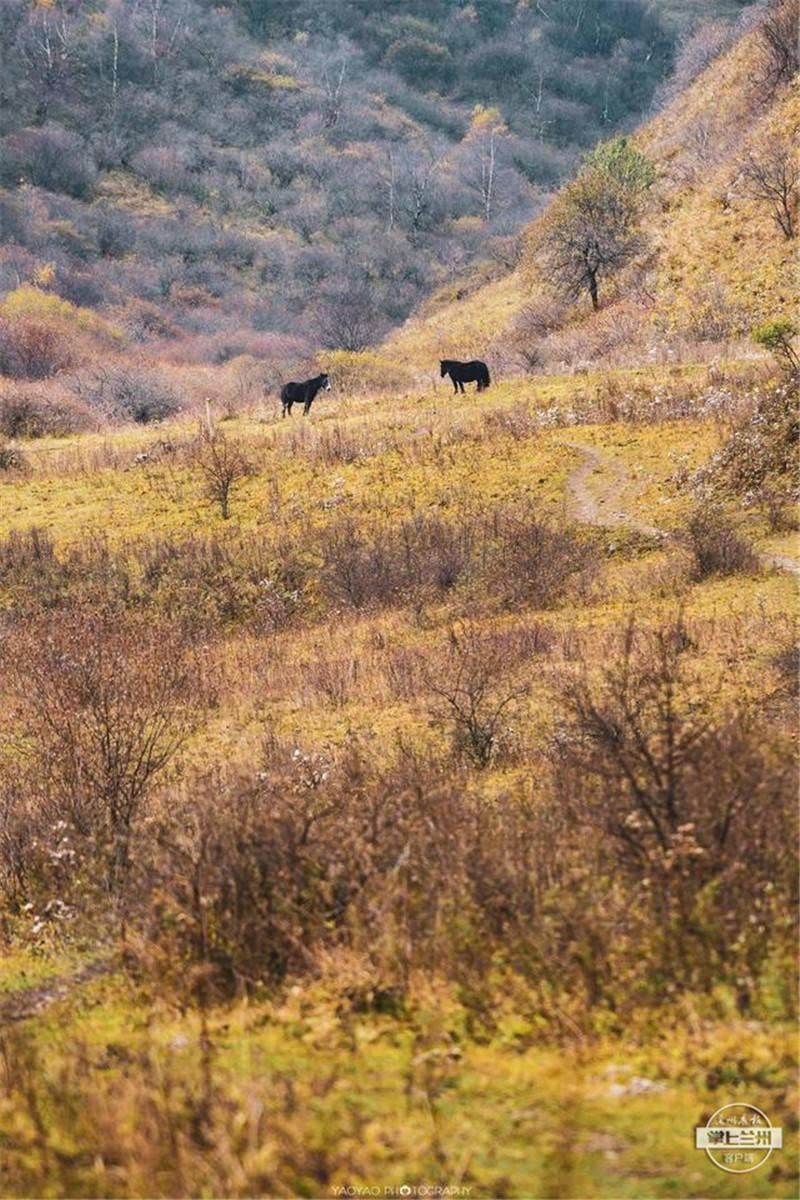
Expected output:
(675, 398)
(621, 334)
(509, 555)
(525, 334)
(471, 680)
(787, 664)
(348, 318)
(358, 572)
(52, 158)
(114, 231)
(30, 414)
(531, 562)
(126, 393)
(779, 52)
(11, 457)
(339, 445)
(696, 52)
(144, 321)
(361, 572)
(437, 554)
(764, 447)
(517, 421)
(212, 581)
(680, 785)
(713, 316)
(336, 678)
(20, 417)
(32, 349)
(222, 463)
(717, 547)
(105, 702)
(30, 570)
(323, 852)
(779, 507)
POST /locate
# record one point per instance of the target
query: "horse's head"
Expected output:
(325, 383)
(443, 368)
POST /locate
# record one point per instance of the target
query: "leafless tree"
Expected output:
(481, 163)
(416, 170)
(779, 44)
(770, 174)
(222, 464)
(51, 54)
(163, 23)
(635, 735)
(387, 174)
(333, 78)
(348, 318)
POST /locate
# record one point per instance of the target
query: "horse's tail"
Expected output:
(487, 379)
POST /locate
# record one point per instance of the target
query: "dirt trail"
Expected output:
(29, 1002)
(600, 505)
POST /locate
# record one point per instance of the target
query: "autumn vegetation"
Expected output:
(403, 794)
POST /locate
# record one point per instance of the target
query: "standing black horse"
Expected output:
(466, 372)
(303, 393)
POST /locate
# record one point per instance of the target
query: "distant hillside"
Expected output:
(714, 261)
(265, 176)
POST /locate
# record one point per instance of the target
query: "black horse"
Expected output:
(466, 372)
(303, 393)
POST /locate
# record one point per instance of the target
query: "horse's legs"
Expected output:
(455, 385)
(461, 386)
(287, 408)
(306, 408)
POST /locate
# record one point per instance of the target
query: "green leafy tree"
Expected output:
(594, 227)
(778, 336)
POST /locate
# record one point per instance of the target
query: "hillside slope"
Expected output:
(216, 177)
(715, 262)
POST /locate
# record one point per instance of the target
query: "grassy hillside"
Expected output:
(714, 263)
(385, 568)
(402, 799)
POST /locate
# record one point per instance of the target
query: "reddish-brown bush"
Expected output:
(717, 547)
(32, 349)
(33, 414)
(105, 701)
(695, 797)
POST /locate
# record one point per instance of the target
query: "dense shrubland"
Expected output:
(549, 799)
(173, 164)
(614, 870)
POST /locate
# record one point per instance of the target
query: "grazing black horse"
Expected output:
(466, 372)
(303, 393)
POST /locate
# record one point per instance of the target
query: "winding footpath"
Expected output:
(602, 507)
